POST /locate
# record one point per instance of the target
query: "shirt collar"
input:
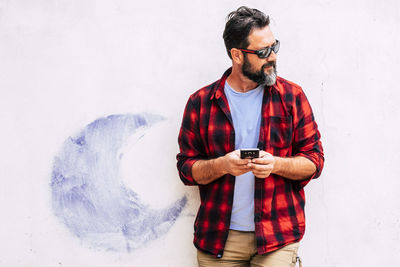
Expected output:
(218, 90)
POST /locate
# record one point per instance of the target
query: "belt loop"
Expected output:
(298, 259)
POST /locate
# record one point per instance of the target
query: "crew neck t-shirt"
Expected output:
(245, 109)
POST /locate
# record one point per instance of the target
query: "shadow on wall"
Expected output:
(89, 196)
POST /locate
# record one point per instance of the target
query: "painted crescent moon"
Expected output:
(89, 196)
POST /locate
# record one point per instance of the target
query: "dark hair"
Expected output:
(240, 24)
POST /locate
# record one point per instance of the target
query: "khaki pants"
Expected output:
(240, 251)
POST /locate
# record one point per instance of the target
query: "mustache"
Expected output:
(269, 64)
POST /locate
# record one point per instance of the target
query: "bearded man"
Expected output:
(252, 205)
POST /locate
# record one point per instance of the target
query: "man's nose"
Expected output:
(272, 56)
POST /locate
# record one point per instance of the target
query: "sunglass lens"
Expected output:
(275, 47)
(265, 52)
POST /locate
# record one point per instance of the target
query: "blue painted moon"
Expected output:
(89, 196)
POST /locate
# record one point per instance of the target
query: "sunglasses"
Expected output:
(265, 52)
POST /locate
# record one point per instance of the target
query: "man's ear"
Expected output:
(237, 56)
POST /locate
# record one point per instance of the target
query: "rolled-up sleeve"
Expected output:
(307, 137)
(190, 145)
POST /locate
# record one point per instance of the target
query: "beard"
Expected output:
(260, 77)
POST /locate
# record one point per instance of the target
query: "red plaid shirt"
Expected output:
(287, 129)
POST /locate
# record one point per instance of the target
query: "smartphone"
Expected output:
(249, 153)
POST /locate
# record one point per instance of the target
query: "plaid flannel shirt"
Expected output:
(287, 129)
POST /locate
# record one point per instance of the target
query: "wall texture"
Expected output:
(92, 93)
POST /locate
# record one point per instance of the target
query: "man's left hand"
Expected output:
(262, 166)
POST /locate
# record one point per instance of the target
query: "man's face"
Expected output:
(260, 70)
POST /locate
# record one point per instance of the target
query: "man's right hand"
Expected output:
(207, 171)
(234, 165)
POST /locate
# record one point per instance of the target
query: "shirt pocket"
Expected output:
(281, 131)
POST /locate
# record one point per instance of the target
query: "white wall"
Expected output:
(64, 64)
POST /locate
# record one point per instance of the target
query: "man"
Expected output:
(252, 210)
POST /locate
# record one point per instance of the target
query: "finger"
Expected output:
(245, 167)
(264, 154)
(267, 160)
(261, 167)
(261, 174)
(242, 161)
(241, 171)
